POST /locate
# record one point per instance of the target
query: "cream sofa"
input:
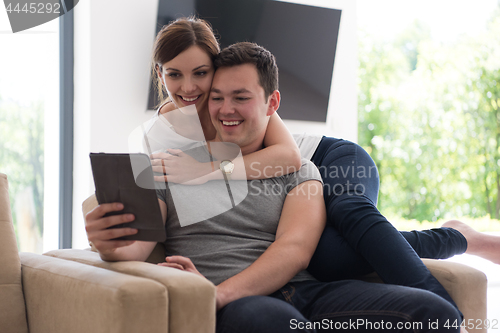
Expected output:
(75, 291)
(43, 294)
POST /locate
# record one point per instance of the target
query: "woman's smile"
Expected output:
(188, 100)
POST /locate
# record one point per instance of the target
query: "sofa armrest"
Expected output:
(466, 286)
(192, 305)
(65, 296)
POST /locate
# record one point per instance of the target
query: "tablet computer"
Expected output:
(128, 178)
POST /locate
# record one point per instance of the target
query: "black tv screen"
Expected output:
(303, 38)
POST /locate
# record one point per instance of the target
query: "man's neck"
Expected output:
(248, 149)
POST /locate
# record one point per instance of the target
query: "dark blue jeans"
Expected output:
(349, 305)
(358, 239)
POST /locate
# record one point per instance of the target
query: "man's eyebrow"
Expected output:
(234, 92)
(240, 91)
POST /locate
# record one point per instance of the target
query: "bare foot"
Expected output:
(478, 243)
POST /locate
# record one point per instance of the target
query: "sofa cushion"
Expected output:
(64, 296)
(191, 298)
(12, 308)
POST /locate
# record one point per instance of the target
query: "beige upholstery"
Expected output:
(75, 291)
(66, 296)
(466, 285)
(41, 294)
(12, 309)
(191, 298)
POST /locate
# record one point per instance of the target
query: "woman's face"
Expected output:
(188, 77)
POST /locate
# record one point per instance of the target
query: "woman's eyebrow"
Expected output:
(200, 67)
(175, 69)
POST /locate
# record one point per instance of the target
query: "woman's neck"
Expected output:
(204, 116)
(206, 124)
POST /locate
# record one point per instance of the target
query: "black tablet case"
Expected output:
(115, 182)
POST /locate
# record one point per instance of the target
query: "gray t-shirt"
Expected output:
(224, 245)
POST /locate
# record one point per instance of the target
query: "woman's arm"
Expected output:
(280, 156)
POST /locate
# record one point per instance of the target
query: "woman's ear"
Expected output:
(158, 70)
(274, 102)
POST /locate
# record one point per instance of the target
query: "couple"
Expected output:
(257, 252)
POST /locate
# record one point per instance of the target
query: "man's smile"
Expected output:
(231, 122)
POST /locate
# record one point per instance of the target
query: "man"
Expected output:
(256, 253)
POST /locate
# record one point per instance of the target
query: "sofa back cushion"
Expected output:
(12, 308)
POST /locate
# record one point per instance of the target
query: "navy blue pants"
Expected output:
(347, 306)
(358, 239)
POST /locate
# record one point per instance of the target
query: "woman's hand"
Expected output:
(182, 263)
(179, 167)
(97, 226)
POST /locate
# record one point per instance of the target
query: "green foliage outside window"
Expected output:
(429, 115)
(21, 155)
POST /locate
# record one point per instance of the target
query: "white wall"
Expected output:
(113, 42)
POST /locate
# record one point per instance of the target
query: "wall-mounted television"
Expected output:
(302, 37)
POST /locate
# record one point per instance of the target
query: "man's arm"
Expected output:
(101, 237)
(301, 224)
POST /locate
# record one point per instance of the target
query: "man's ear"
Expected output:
(274, 102)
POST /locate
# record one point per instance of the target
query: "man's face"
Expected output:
(238, 108)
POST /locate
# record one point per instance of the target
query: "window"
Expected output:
(429, 114)
(29, 131)
(428, 104)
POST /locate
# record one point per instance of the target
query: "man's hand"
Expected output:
(182, 263)
(97, 226)
(179, 167)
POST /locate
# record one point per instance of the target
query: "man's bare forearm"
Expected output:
(138, 251)
(272, 270)
(290, 253)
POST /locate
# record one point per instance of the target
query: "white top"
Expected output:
(308, 143)
(159, 133)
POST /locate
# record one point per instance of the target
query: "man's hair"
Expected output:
(251, 53)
